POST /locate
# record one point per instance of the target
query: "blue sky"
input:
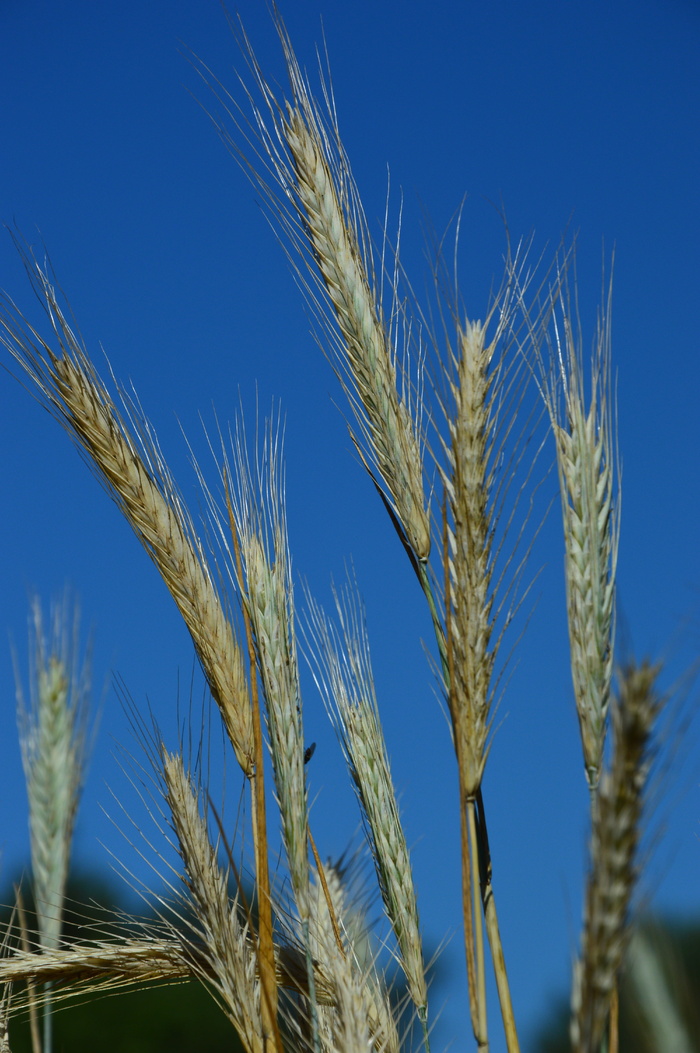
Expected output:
(570, 116)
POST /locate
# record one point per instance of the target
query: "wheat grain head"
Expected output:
(128, 462)
(225, 943)
(296, 158)
(53, 727)
(615, 834)
(585, 435)
(343, 673)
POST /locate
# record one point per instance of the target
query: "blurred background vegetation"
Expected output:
(173, 1018)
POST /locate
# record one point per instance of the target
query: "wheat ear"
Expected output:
(107, 964)
(133, 471)
(479, 457)
(386, 422)
(53, 739)
(259, 518)
(344, 676)
(52, 731)
(299, 164)
(225, 942)
(590, 495)
(339, 931)
(616, 824)
(258, 511)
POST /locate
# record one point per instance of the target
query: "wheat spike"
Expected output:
(53, 737)
(306, 179)
(133, 471)
(615, 834)
(344, 676)
(225, 943)
(590, 497)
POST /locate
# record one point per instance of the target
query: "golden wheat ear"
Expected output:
(123, 453)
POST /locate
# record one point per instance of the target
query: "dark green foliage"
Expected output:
(174, 1018)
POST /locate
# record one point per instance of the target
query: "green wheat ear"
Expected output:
(53, 725)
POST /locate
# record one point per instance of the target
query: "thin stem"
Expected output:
(468, 922)
(327, 895)
(424, 580)
(33, 1015)
(614, 1040)
(448, 675)
(494, 934)
(476, 867)
(266, 950)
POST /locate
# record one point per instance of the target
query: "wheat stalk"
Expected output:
(266, 587)
(134, 960)
(389, 428)
(53, 739)
(479, 455)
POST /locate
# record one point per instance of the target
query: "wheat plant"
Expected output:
(445, 417)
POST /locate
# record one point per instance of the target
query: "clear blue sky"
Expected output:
(569, 114)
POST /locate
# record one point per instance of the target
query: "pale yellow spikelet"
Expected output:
(260, 520)
(470, 536)
(297, 160)
(53, 737)
(349, 924)
(113, 963)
